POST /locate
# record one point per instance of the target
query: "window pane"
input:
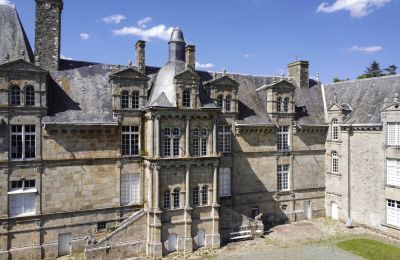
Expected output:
(125, 99)
(186, 99)
(29, 96)
(15, 99)
(135, 100)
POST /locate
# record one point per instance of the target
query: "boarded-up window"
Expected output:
(130, 189)
(393, 172)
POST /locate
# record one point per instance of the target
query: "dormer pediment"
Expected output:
(187, 75)
(129, 73)
(222, 81)
(21, 66)
(335, 107)
(392, 107)
(283, 84)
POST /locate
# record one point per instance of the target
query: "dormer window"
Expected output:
(335, 130)
(279, 104)
(220, 101)
(29, 96)
(124, 99)
(228, 103)
(186, 99)
(135, 99)
(15, 98)
(286, 105)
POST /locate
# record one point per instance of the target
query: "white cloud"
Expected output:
(357, 8)
(115, 19)
(366, 49)
(64, 57)
(246, 56)
(84, 36)
(161, 32)
(204, 66)
(143, 22)
(5, 2)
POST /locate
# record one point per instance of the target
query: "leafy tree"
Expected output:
(390, 70)
(336, 79)
(374, 70)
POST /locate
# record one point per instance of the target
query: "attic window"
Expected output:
(186, 99)
(15, 99)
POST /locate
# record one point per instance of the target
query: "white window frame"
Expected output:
(224, 142)
(393, 133)
(25, 195)
(172, 142)
(393, 212)
(225, 182)
(135, 99)
(130, 140)
(335, 130)
(393, 172)
(335, 162)
(25, 136)
(283, 139)
(283, 177)
(130, 189)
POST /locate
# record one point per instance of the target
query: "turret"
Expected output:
(177, 46)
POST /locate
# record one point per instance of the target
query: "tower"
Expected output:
(48, 33)
(177, 46)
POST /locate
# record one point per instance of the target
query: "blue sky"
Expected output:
(339, 37)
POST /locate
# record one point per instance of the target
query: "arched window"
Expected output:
(286, 104)
(279, 104)
(196, 142)
(220, 101)
(335, 162)
(167, 199)
(124, 99)
(176, 198)
(15, 97)
(186, 99)
(196, 201)
(29, 96)
(204, 195)
(228, 103)
(167, 142)
(335, 129)
(135, 99)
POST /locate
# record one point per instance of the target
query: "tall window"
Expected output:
(130, 189)
(176, 198)
(124, 99)
(224, 139)
(393, 134)
(220, 101)
(15, 97)
(393, 212)
(283, 138)
(196, 199)
(23, 141)
(204, 195)
(335, 162)
(228, 100)
(167, 199)
(335, 129)
(196, 142)
(130, 140)
(186, 99)
(224, 182)
(167, 142)
(204, 142)
(171, 142)
(286, 105)
(29, 96)
(22, 198)
(176, 134)
(279, 104)
(393, 172)
(135, 99)
(283, 177)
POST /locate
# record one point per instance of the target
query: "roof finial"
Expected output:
(214, 75)
(7, 57)
(335, 98)
(317, 76)
(130, 63)
(396, 98)
(224, 72)
(282, 75)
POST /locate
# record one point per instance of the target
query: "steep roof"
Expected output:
(14, 44)
(366, 97)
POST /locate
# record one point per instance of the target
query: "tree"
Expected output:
(374, 70)
(336, 79)
(390, 70)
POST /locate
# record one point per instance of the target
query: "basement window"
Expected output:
(101, 226)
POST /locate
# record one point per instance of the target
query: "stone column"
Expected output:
(187, 187)
(188, 241)
(151, 139)
(215, 236)
(214, 136)
(157, 136)
(156, 172)
(215, 185)
(150, 198)
(187, 141)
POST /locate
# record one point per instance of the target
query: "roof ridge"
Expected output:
(361, 80)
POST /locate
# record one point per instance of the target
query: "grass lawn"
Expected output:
(370, 249)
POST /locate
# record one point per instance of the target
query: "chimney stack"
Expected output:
(190, 56)
(298, 71)
(141, 56)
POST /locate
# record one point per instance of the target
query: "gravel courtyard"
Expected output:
(312, 239)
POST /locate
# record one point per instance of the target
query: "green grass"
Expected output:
(370, 249)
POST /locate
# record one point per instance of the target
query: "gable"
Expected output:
(129, 73)
(188, 74)
(334, 107)
(223, 81)
(21, 66)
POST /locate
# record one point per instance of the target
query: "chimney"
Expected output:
(48, 34)
(140, 47)
(298, 71)
(190, 56)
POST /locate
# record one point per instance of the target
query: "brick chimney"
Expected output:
(190, 56)
(298, 72)
(140, 47)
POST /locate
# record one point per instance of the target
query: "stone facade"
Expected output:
(122, 161)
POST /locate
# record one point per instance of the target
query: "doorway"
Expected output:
(307, 209)
(172, 242)
(64, 244)
(334, 213)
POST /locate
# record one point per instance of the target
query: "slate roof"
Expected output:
(13, 40)
(366, 97)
